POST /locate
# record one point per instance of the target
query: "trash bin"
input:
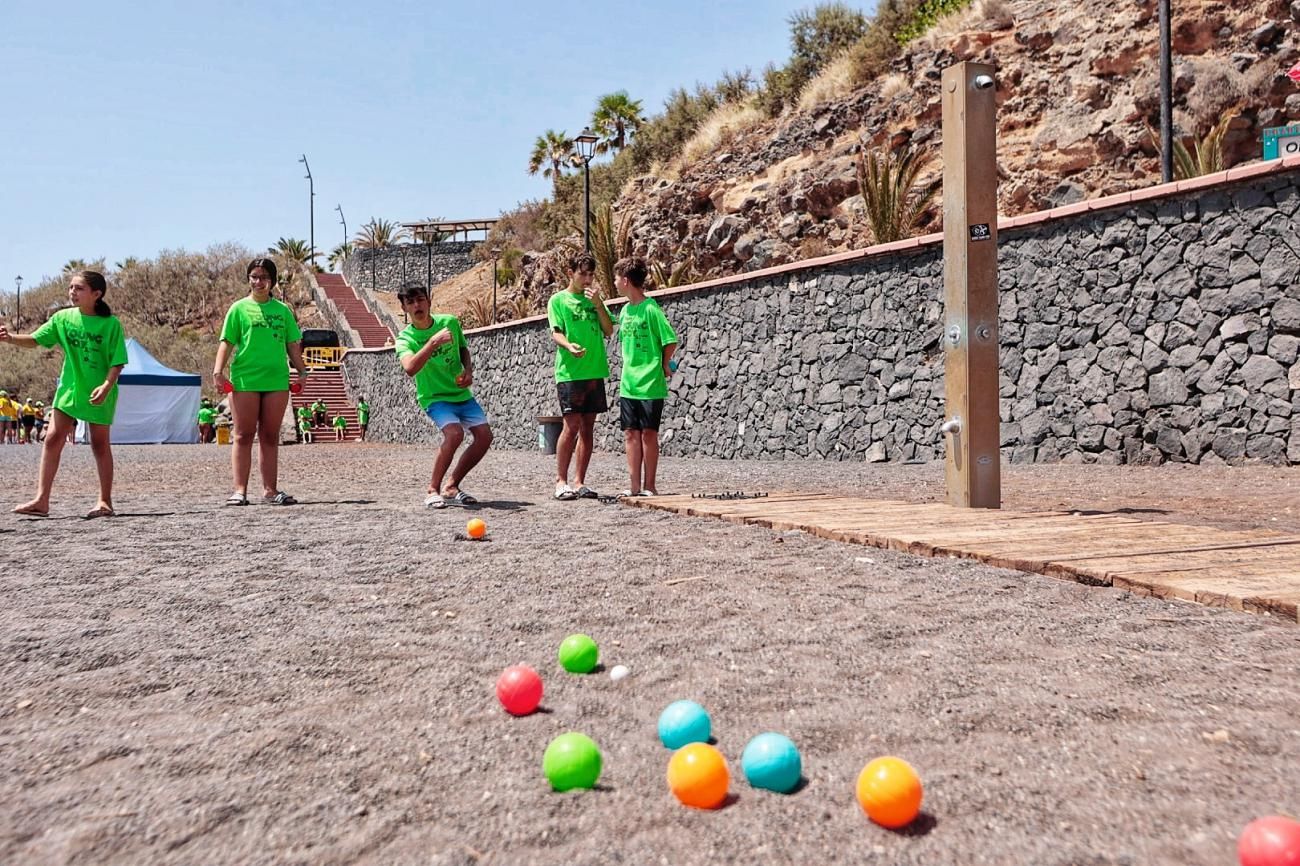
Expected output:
(548, 432)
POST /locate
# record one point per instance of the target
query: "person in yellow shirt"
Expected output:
(27, 420)
(8, 416)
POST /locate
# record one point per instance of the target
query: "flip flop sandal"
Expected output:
(566, 493)
(434, 500)
(463, 498)
(18, 509)
(237, 499)
(101, 512)
(281, 498)
(585, 492)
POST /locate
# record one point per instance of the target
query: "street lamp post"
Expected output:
(1166, 97)
(344, 220)
(18, 311)
(311, 207)
(496, 254)
(586, 144)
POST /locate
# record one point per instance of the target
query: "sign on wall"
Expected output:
(1282, 141)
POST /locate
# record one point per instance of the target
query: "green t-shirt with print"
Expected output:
(643, 332)
(574, 316)
(304, 413)
(304, 425)
(92, 345)
(363, 413)
(436, 381)
(206, 415)
(259, 332)
(340, 422)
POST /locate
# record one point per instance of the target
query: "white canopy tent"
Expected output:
(155, 403)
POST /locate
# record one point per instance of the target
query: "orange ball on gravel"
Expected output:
(475, 528)
(698, 776)
(889, 791)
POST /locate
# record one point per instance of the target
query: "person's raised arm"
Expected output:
(27, 341)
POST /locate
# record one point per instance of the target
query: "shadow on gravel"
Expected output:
(499, 505)
(921, 826)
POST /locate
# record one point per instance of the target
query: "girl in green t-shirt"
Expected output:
(94, 352)
(258, 334)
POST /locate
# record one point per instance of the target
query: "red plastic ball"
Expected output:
(1271, 841)
(295, 387)
(519, 689)
(227, 388)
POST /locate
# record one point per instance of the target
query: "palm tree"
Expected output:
(895, 200)
(617, 117)
(126, 264)
(550, 156)
(339, 255)
(1196, 157)
(378, 234)
(71, 266)
(292, 250)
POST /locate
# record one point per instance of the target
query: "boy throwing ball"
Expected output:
(432, 350)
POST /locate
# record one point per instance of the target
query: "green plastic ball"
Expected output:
(578, 654)
(571, 761)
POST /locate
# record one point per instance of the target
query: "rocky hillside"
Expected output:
(1078, 93)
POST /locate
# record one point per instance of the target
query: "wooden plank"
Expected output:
(1250, 570)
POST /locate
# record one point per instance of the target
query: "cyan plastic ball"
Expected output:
(684, 722)
(771, 761)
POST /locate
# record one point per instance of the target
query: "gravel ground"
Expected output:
(188, 683)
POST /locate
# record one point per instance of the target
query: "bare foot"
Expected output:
(35, 508)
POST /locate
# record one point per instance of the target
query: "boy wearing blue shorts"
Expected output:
(432, 350)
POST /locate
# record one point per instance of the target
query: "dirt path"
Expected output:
(193, 684)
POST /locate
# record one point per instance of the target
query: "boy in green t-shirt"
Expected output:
(304, 428)
(432, 350)
(340, 427)
(206, 416)
(648, 343)
(363, 418)
(579, 325)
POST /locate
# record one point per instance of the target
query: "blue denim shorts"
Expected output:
(467, 414)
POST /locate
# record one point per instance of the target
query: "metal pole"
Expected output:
(428, 266)
(311, 207)
(342, 219)
(18, 311)
(586, 204)
(494, 289)
(1166, 97)
(970, 278)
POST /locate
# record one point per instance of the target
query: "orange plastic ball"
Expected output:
(889, 791)
(698, 776)
(475, 528)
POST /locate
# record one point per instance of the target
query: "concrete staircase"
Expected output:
(373, 333)
(327, 385)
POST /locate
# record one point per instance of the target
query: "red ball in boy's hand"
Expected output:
(227, 388)
(295, 387)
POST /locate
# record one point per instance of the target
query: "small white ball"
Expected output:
(617, 672)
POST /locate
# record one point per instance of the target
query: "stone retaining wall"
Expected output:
(1133, 331)
(426, 264)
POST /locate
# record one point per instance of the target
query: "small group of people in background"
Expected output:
(21, 421)
(260, 339)
(211, 416)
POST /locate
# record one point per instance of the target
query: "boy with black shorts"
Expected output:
(648, 343)
(579, 325)
(432, 350)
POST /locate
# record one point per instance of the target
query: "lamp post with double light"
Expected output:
(586, 145)
(18, 301)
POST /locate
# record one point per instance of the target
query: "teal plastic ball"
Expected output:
(578, 654)
(771, 761)
(682, 723)
(572, 761)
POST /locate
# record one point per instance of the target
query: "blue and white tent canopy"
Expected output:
(154, 403)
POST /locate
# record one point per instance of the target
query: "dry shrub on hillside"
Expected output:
(893, 85)
(719, 128)
(832, 83)
(1216, 88)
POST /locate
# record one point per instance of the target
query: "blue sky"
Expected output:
(137, 127)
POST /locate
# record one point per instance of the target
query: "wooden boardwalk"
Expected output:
(1252, 570)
